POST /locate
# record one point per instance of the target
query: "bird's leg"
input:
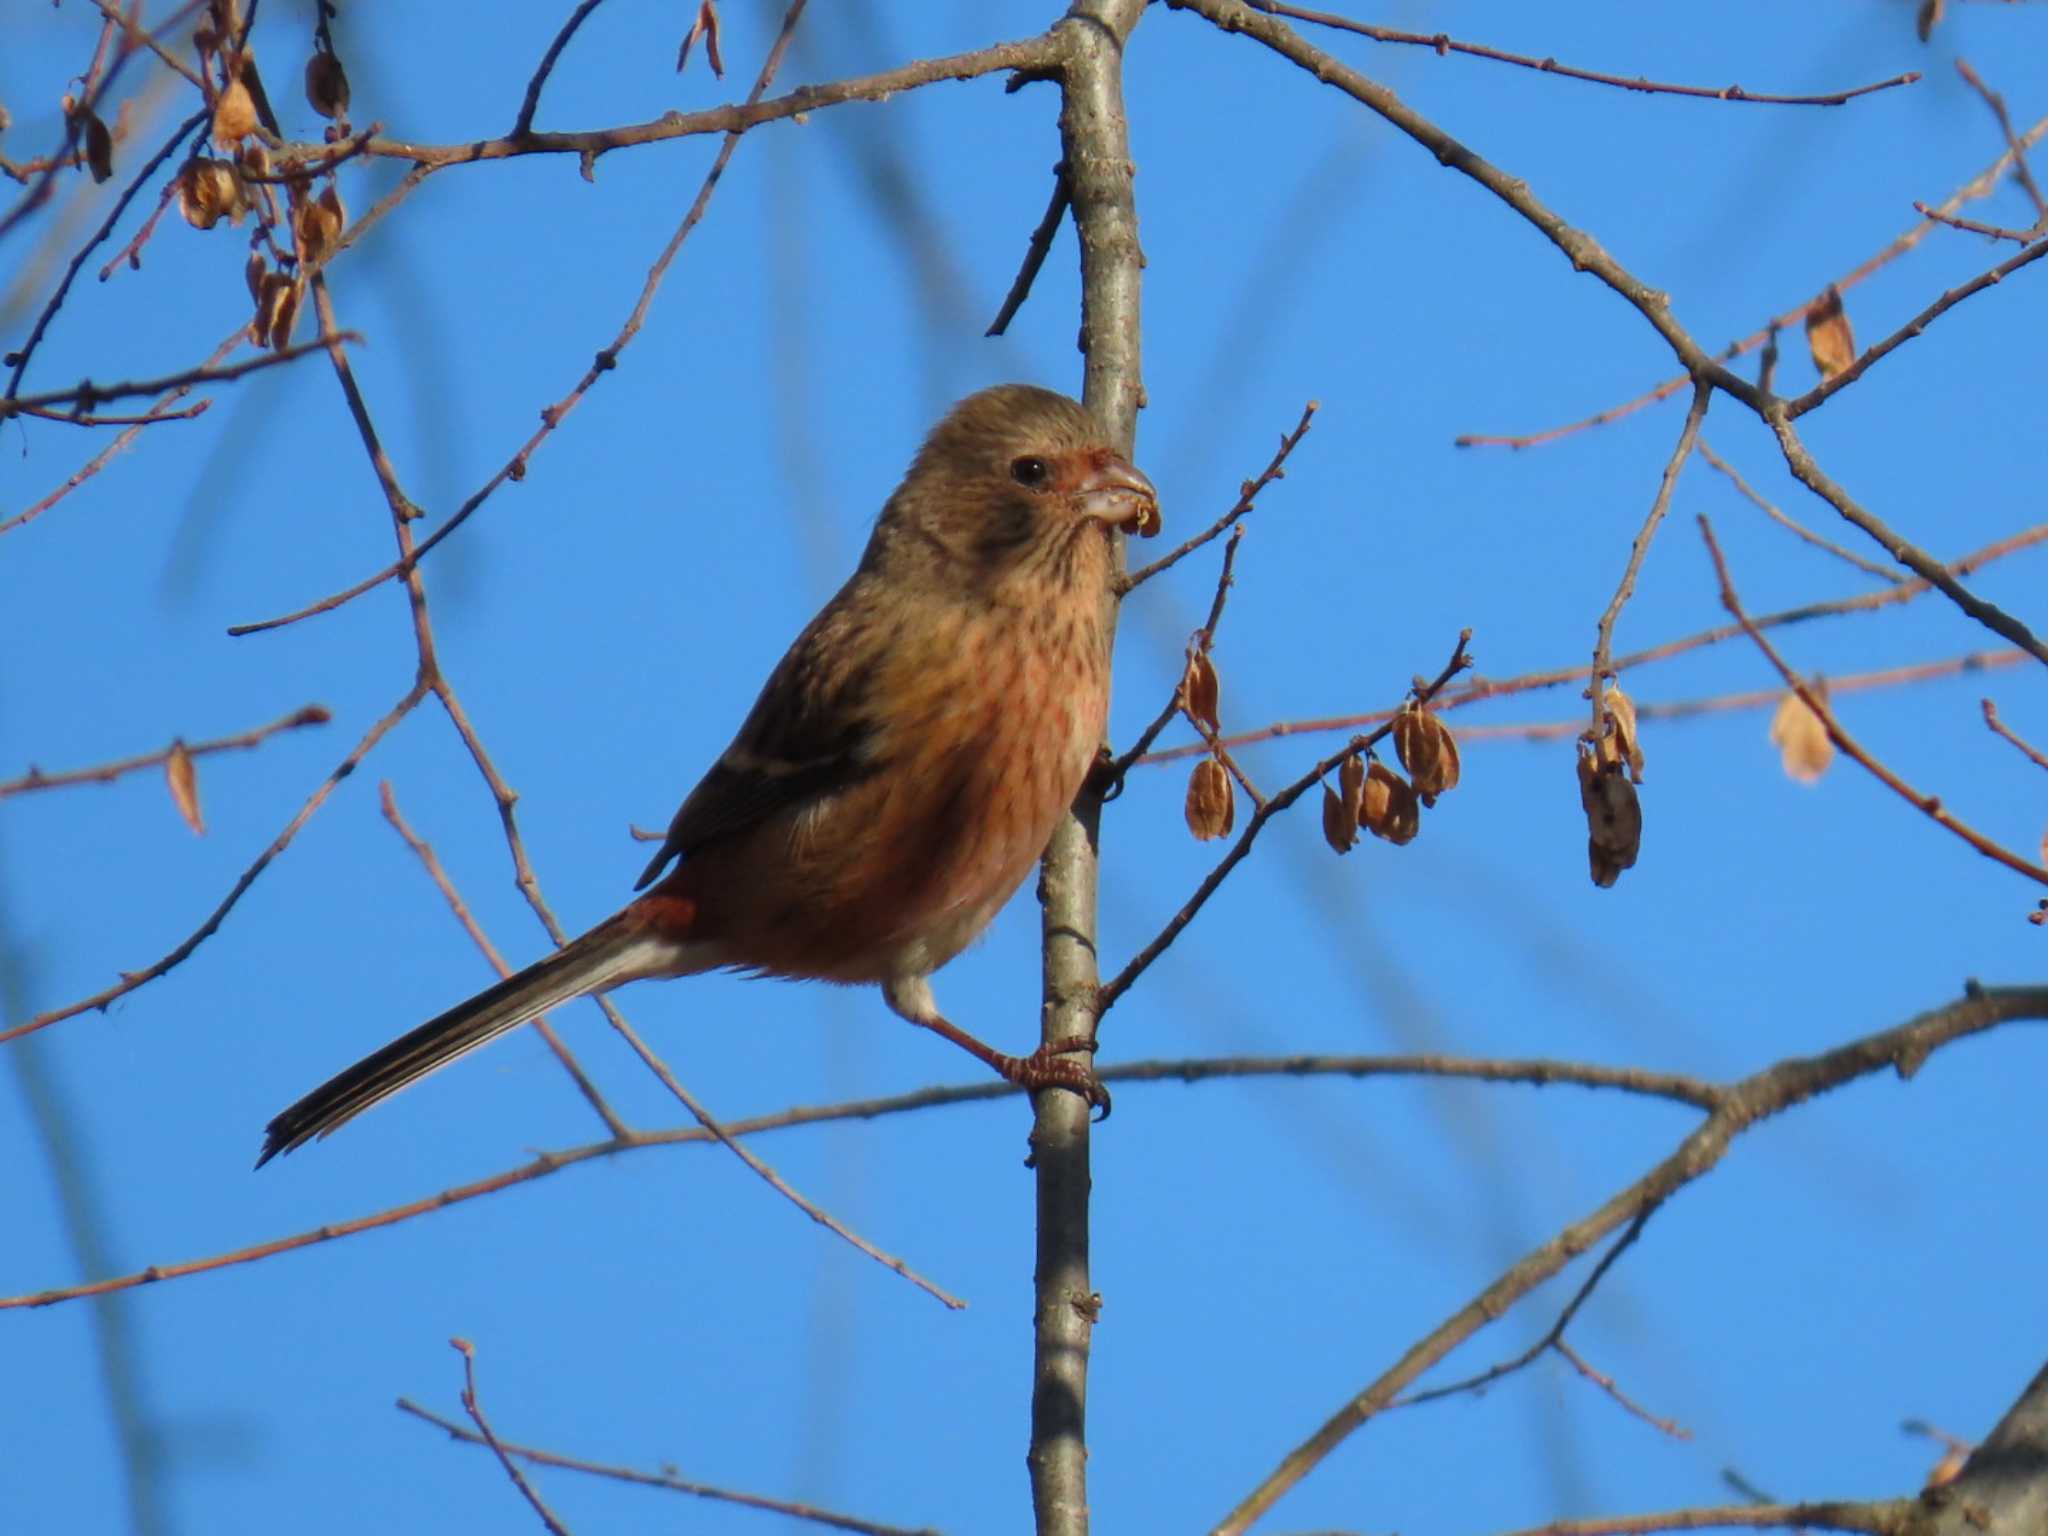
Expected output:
(911, 999)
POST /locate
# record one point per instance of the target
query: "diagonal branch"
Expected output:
(1904, 1049)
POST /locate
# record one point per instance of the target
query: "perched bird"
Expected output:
(901, 772)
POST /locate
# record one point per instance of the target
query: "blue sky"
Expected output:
(1264, 1249)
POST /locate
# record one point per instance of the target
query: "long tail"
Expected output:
(615, 951)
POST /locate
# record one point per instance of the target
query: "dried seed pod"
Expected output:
(286, 316)
(99, 146)
(1621, 744)
(326, 85)
(1340, 823)
(234, 114)
(1801, 738)
(1200, 689)
(254, 159)
(1614, 818)
(1212, 805)
(1388, 807)
(706, 27)
(316, 225)
(1427, 750)
(206, 191)
(254, 270)
(1928, 19)
(184, 781)
(276, 307)
(1827, 334)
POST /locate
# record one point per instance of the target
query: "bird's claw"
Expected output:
(1047, 1067)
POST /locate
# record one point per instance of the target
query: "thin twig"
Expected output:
(663, 1479)
(1995, 231)
(1928, 805)
(99, 460)
(431, 862)
(1861, 562)
(1441, 45)
(2022, 173)
(1247, 497)
(1983, 184)
(18, 359)
(1991, 719)
(1606, 1383)
(1822, 392)
(1603, 643)
(475, 1408)
(88, 394)
(1035, 252)
(1484, 689)
(130, 980)
(1878, 1517)
(1754, 698)
(523, 124)
(1910, 555)
(106, 773)
(1657, 1085)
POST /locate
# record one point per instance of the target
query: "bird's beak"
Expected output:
(1114, 492)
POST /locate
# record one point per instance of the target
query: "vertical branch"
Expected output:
(1095, 145)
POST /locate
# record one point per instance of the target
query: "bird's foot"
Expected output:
(1047, 1067)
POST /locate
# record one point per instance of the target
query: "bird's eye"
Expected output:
(1030, 470)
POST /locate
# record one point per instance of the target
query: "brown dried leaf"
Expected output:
(1925, 23)
(184, 782)
(1827, 334)
(326, 85)
(1212, 806)
(1621, 744)
(1388, 807)
(1801, 740)
(254, 270)
(705, 26)
(1614, 818)
(1427, 750)
(1201, 690)
(99, 147)
(234, 115)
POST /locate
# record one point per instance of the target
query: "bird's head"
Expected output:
(1016, 479)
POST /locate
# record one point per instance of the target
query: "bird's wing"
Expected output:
(809, 735)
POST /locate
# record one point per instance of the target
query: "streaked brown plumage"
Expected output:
(900, 773)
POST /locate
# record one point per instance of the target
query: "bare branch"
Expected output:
(1035, 252)
(130, 980)
(1928, 805)
(475, 1408)
(1441, 45)
(106, 773)
(663, 1479)
(1755, 1099)
(1862, 563)
(1603, 643)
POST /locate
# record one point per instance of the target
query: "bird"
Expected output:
(901, 772)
